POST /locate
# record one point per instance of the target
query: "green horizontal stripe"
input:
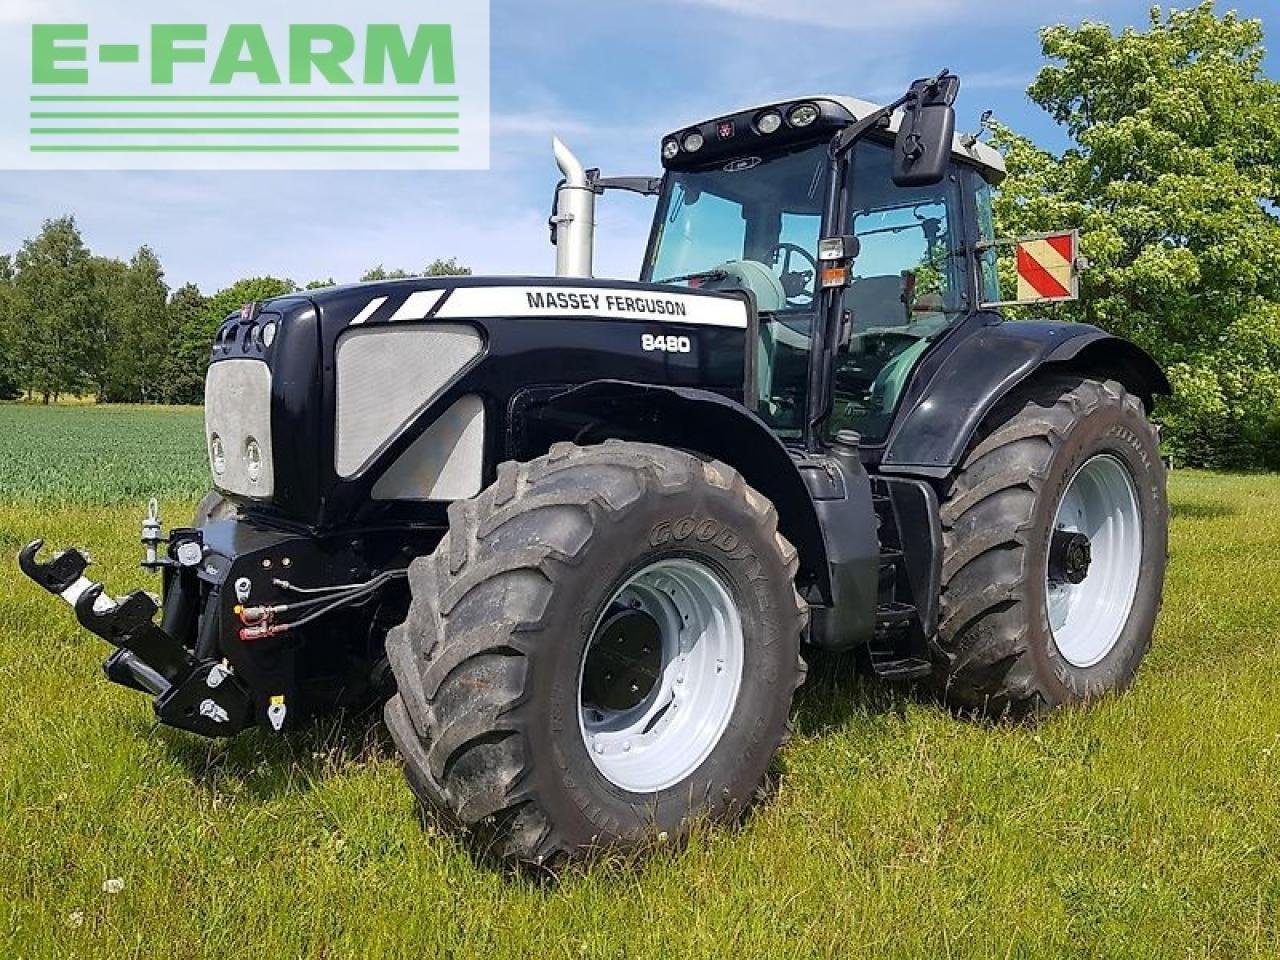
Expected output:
(241, 99)
(347, 115)
(223, 131)
(241, 148)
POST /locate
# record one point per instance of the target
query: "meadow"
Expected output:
(1144, 826)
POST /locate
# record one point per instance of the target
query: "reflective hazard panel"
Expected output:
(1047, 268)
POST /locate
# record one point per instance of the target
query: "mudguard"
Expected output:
(700, 421)
(959, 384)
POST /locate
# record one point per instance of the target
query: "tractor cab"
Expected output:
(745, 202)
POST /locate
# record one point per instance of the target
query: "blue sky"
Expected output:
(609, 78)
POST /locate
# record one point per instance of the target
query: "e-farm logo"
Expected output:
(406, 87)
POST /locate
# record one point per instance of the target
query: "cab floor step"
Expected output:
(907, 668)
(894, 614)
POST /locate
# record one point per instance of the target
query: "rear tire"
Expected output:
(1058, 448)
(491, 662)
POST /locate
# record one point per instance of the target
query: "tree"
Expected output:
(381, 273)
(1172, 175)
(446, 268)
(9, 374)
(189, 313)
(101, 329)
(145, 320)
(252, 289)
(55, 306)
(140, 331)
(436, 268)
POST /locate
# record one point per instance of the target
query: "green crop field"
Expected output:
(1145, 826)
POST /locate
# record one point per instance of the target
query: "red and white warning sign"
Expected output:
(1047, 268)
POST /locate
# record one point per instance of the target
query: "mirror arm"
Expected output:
(848, 138)
(645, 186)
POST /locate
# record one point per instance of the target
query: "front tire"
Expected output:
(555, 636)
(1055, 535)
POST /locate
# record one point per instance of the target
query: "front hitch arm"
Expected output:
(202, 696)
(128, 624)
(57, 576)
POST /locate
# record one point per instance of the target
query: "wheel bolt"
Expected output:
(626, 747)
(599, 748)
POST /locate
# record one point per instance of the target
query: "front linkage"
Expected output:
(235, 644)
(202, 696)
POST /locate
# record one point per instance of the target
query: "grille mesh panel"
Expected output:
(237, 407)
(385, 376)
(445, 463)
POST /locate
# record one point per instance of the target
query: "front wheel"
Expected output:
(603, 647)
(1055, 534)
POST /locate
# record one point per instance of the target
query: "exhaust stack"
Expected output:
(575, 216)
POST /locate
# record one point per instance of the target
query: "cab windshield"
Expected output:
(757, 220)
(756, 223)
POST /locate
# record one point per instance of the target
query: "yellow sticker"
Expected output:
(278, 700)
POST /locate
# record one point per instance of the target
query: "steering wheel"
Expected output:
(797, 284)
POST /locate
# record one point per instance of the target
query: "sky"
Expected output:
(609, 78)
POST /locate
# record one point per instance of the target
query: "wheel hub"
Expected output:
(1070, 554)
(623, 664)
(1094, 562)
(660, 676)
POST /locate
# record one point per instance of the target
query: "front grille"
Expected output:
(237, 423)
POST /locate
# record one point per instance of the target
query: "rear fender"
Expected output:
(952, 392)
(688, 419)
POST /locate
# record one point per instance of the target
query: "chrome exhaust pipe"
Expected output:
(575, 216)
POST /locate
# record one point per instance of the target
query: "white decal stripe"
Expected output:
(417, 306)
(605, 303)
(369, 310)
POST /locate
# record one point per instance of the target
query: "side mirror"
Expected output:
(928, 130)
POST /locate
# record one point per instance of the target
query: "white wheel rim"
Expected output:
(680, 719)
(1087, 618)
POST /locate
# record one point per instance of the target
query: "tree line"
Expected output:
(76, 324)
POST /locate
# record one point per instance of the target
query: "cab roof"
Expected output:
(843, 110)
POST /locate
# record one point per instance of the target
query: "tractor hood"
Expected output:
(387, 400)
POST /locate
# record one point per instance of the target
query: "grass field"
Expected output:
(1147, 826)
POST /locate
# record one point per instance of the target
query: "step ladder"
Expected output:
(898, 650)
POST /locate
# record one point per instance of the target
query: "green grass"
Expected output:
(101, 455)
(1147, 826)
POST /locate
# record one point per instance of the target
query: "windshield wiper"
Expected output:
(700, 275)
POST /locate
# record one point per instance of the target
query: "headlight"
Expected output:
(268, 333)
(693, 142)
(253, 460)
(804, 115)
(217, 455)
(769, 122)
(670, 149)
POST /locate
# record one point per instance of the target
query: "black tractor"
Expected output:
(578, 534)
